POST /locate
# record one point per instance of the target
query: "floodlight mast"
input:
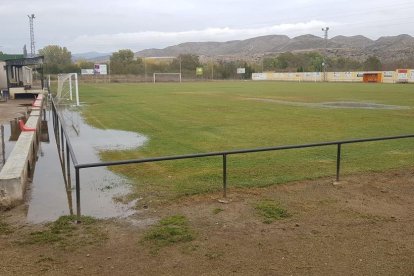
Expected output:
(325, 30)
(32, 41)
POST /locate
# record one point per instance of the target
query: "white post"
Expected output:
(48, 82)
(70, 86)
(154, 77)
(76, 89)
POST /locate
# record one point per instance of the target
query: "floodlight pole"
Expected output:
(32, 41)
(325, 30)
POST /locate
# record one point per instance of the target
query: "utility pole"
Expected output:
(325, 30)
(32, 41)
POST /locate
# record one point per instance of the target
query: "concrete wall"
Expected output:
(3, 76)
(19, 167)
(344, 76)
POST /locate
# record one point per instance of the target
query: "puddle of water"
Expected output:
(357, 105)
(47, 196)
(362, 105)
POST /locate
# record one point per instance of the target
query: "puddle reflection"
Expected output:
(49, 198)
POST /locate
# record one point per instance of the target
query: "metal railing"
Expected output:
(63, 141)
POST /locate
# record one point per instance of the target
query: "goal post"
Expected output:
(167, 68)
(67, 100)
(66, 83)
(170, 76)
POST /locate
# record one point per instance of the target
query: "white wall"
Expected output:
(3, 75)
(387, 76)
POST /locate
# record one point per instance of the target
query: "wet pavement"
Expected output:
(47, 195)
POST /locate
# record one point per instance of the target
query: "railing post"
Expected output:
(338, 162)
(67, 163)
(62, 149)
(224, 175)
(78, 203)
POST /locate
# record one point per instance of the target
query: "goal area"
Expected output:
(167, 77)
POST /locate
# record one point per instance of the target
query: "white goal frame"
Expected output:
(174, 74)
(62, 93)
(66, 104)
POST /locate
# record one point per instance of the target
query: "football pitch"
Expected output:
(202, 117)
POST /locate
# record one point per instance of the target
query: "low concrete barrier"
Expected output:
(19, 167)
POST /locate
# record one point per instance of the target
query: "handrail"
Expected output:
(69, 145)
(241, 151)
(58, 123)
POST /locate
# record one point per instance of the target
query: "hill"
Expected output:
(388, 49)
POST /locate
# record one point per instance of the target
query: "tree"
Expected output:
(315, 62)
(124, 62)
(84, 64)
(57, 59)
(372, 63)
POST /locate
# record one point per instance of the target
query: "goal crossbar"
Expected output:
(171, 74)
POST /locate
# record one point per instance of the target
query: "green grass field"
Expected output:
(201, 117)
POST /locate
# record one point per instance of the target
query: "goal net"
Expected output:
(67, 87)
(67, 100)
(167, 77)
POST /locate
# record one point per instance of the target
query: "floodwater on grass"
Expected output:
(357, 105)
(47, 196)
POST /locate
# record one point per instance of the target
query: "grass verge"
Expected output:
(170, 230)
(66, 233)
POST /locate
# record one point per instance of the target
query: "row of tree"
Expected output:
(314, 61)
(59, 60)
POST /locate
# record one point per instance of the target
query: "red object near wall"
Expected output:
(23, 127)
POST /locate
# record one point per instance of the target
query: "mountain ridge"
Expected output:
(387, 48)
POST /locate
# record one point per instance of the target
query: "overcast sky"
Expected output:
(107, 26)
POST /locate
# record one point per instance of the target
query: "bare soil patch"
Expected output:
(13, 109)
(363, 226)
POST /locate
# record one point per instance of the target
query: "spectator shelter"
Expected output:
(21, 75)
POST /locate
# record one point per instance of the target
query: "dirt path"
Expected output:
(364, 226)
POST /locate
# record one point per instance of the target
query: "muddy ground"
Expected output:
(13, 109)
(363, 226)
